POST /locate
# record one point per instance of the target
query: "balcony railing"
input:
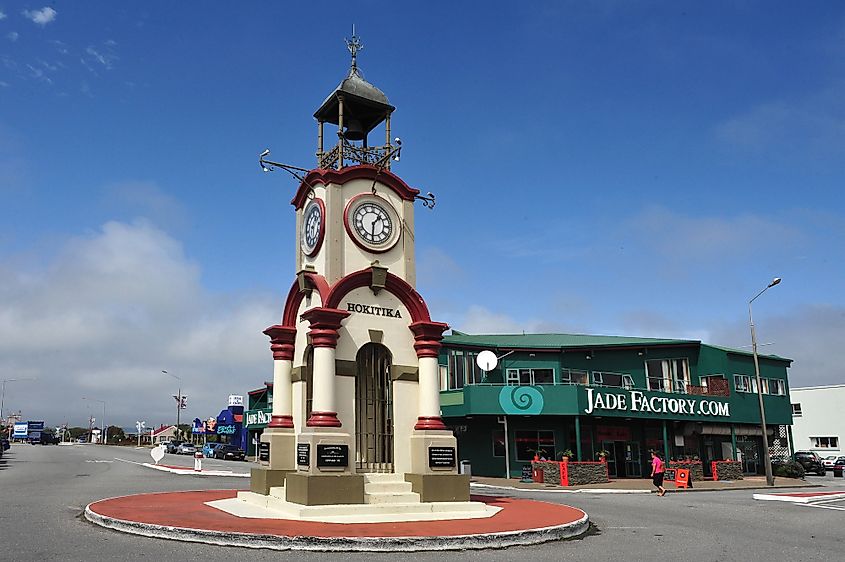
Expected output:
(716, 388)
(354, 154)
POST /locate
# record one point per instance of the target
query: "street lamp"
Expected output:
(178, 398)
(3, 396)
(105, 427)
(767, 461)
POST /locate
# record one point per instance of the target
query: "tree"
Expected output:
(116, 434)
(77, 432)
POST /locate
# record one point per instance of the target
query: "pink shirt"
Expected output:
(657, 465)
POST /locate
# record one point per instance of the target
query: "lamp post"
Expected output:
(3, 396)
(105, 427)
(767, 461)
(178, 398)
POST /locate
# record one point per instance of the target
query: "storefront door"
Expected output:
(748, 449)
(373, 410)
(633, 462)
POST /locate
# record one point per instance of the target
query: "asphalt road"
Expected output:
(44, 490)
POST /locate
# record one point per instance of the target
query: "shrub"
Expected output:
(790, 469)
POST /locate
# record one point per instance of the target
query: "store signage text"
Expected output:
(374, 310)
(257, 418)
(226, 429)
(637, 401)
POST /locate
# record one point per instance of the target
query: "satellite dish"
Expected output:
(487, 360)
(157, 453)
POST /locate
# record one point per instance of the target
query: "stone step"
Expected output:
(383, 477)
(391, 497)
(384, 487)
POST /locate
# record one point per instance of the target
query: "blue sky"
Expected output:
(634, 168)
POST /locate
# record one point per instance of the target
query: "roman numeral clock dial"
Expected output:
(372, 223)
(313, 225)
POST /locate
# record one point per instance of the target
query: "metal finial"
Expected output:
(354, 45)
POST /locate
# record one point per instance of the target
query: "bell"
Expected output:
(354, 131)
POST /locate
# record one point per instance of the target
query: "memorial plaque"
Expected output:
(303, 454)
(332, 456)
(527, 474)
(263, 451)
(441, 457)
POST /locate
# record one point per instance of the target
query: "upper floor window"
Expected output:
(742, 383)
(573, 376)
(527, 377)
(618, 380)
(777, 387)
(668, 375)
(462, 369)
(796, 409)
(825, 442)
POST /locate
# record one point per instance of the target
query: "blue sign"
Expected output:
(21, 430)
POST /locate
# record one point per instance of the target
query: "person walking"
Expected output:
(657, 470)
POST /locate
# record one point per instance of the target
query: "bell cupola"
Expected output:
(356, 107)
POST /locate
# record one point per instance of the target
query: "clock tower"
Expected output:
(356, 377)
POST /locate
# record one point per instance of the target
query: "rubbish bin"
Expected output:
(837, 470)
(539, 476)
(466, 468)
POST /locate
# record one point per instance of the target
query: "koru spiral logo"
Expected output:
(526, 400)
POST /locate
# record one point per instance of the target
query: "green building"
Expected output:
(625, 396)
(257, 415)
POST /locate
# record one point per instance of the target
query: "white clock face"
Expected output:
(372, 223)
(312, 227)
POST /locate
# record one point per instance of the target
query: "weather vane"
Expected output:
(354, 45)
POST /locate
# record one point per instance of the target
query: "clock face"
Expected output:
(372, 223)
(312, 227)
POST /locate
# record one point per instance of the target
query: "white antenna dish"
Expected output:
(487, 360)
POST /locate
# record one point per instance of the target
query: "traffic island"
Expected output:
(187, 516)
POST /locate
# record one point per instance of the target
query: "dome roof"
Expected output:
(362, 101)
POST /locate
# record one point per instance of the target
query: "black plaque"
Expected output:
(441, 457)
(264, 452)
(303, 454)
(332, 456)
(527, 474)
(669, 474)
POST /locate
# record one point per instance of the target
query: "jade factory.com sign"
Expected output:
(254, 419)
(636, 401)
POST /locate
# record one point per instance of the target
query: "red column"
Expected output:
(282, 340)
(325, 323)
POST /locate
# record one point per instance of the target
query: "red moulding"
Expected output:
(188, 510)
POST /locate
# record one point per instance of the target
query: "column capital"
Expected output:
(282, 340)
(325, 322)
(427, 336)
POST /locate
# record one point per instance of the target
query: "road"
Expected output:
(45, 489)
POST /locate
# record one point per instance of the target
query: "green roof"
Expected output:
(575, 341)
(555, 341)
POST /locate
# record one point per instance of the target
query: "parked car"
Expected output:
(171, 446)
(229, 452)
(186, 449)
(828, 462)
(208, 449)
(810, 461)
(839, 463)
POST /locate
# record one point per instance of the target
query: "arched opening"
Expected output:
(373, 409)
(308, 377)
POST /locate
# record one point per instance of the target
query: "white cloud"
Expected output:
(111, 310)
(42, 17)
(12, 36)
(3, 15)
(479, 320)
(104, 58)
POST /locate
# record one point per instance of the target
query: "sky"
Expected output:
(623, 168)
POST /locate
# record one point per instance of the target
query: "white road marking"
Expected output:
(124, 460)
(97, 460)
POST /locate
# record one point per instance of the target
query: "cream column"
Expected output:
(325, 322)
(282, 340)
(427, 336)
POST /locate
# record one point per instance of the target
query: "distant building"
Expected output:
(817, 423)
(163, 434)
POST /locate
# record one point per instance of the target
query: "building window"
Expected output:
(777, 387)
(614, 380)
(796, 409)
(499, 443)
(825, 442)
(444, 377)
(668, 375)
(742, 383)
(529, 377)
(529, 443)
(573, 376)
(764, 385)
(462, 369)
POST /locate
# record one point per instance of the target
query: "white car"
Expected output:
(828, 462)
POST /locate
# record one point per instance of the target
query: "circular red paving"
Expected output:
(184, 516)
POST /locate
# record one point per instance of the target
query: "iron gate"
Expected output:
(373, 410)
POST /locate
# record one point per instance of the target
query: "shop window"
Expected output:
(499, 443)
(573, 376)
(614, 380)
(668, 375)
(796, 409)
(528, 377)
(825, 442)
(529, 443)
